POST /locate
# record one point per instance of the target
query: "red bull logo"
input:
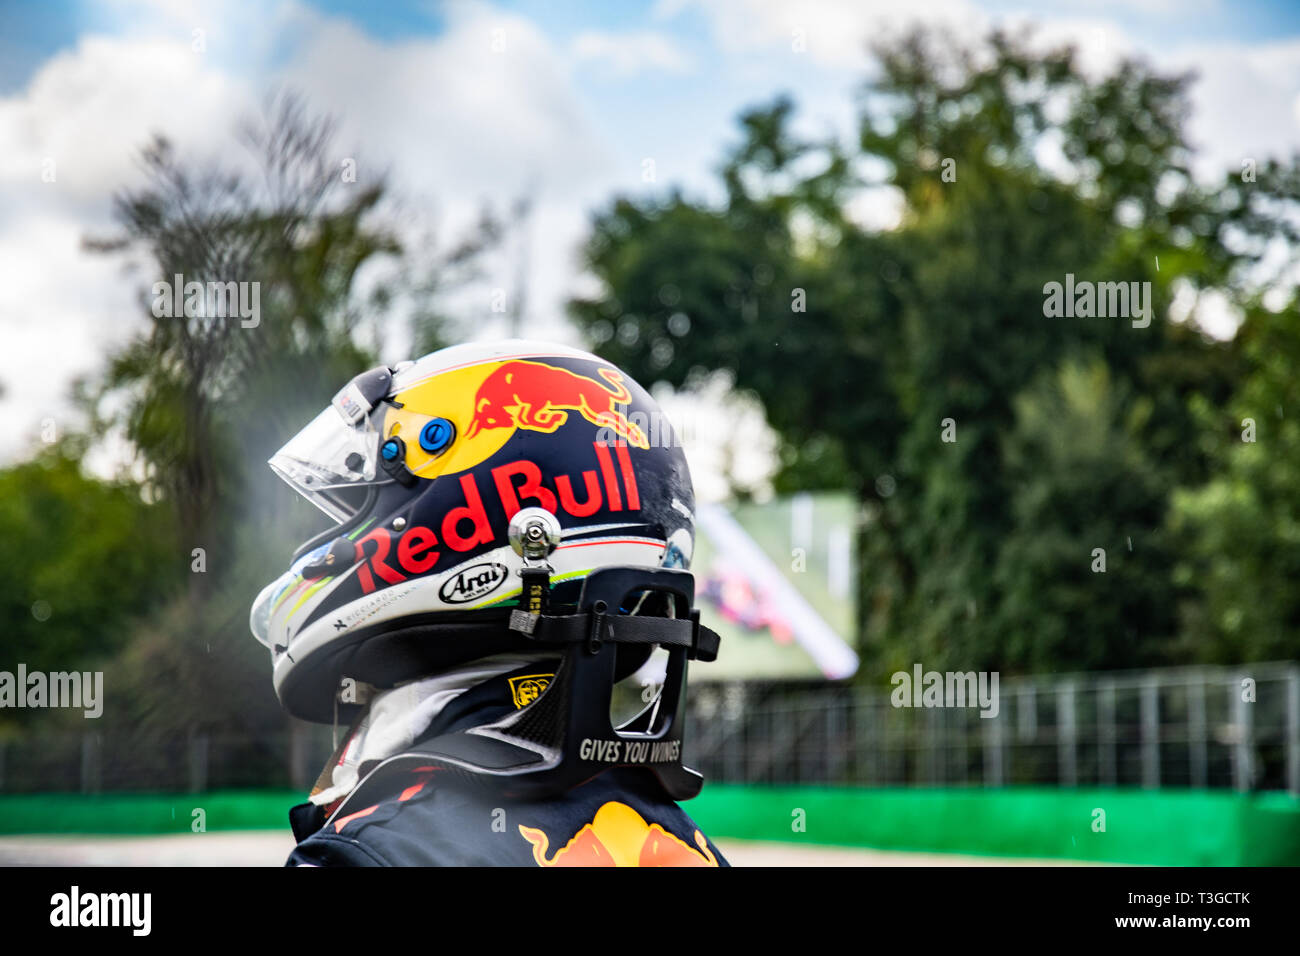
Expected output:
(619, 836)
(394, 557)
(539, 397)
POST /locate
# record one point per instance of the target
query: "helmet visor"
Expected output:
(333, 460)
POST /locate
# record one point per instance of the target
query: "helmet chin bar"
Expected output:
(565, 737)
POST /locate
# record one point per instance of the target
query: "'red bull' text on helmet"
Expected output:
(491, 499)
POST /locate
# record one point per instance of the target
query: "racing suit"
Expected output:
(406, 814)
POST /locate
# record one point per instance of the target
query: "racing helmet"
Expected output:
(487, 499)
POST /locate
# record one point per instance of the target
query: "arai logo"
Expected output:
(473, 583)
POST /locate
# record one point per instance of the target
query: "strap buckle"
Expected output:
(597, 628)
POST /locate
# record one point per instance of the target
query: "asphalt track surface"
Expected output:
(263, 848)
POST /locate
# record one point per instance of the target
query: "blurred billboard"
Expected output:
(775, 581)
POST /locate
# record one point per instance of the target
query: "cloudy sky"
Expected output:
(474, 102)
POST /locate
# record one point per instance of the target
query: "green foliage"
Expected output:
(92, 551)
(1082, 477)
(1241, 529)
(1012, 168)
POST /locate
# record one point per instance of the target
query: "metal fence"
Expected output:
(1181, 727)
(1188, 727)
(96, 761)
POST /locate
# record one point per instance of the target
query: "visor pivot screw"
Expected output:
(436, 435)
(534, 534)
(399, 524)
(390, 449)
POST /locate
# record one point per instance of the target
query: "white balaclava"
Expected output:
(396, 718)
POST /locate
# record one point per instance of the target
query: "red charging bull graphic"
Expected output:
(619, 836)
(539, 397)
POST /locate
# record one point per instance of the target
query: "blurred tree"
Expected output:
(892, 361)
(434, 274)
(1241, 529)
(209, 397)
(204, 400)
(81, 558)
(1091, 588)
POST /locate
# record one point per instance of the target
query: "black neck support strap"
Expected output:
(596, 628)
(565, 737)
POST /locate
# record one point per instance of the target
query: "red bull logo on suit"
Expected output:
(619, 836)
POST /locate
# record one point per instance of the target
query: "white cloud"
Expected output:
(90, 109)
(485, 113)
(1100, 44)
(834, 33)
(1245, 98)
(627, 54)
(487, 110)
(480, 113)
(81, 121)
(59, 311)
